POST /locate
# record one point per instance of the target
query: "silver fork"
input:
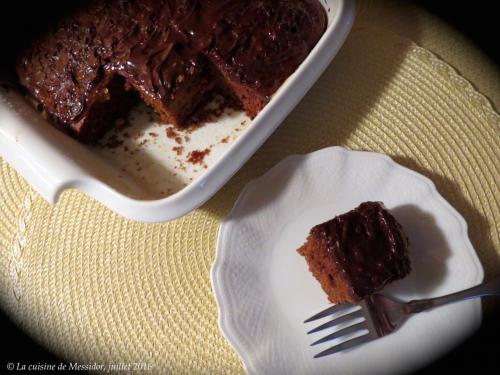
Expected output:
(380, 315)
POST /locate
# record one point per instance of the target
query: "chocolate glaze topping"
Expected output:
(155, 45)
(369, 245)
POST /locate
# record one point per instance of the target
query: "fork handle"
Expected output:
(489, 288)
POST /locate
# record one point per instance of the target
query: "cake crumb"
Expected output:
(196, 156)
(136, 136)
(178, 150)
(171, 133)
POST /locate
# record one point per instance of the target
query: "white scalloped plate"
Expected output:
(264, 290)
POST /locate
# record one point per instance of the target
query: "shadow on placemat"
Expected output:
(23, 351)
(478, 226)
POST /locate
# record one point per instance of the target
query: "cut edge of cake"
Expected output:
(335, 280)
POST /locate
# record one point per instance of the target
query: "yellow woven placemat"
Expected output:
(95, 288)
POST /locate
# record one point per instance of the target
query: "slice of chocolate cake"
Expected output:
(357, 253)
(88, 69)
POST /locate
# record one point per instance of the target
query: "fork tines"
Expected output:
(330, 311)
(351, 343)
(356, 321)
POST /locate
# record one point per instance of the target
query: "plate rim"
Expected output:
(227, 326)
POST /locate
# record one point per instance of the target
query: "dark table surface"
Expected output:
(479, 21)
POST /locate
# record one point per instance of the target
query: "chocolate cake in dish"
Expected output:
(357, 253)
(173, 54)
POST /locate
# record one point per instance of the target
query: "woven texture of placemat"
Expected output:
(95, 288)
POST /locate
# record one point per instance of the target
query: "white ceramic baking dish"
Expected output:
(145, 175)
